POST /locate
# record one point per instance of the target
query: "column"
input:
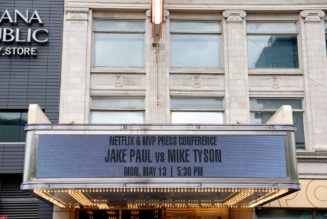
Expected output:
(237, 104)
(157, 75)
(74, 94)
(315, 79)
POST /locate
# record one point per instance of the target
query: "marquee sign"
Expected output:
(161, 156)
(106, 166)
(18, 30)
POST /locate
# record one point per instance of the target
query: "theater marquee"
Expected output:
(224, 165)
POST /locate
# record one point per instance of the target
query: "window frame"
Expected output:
(218, 33)
(95, 31)
(271, 110)
(22, 135)
(218, 110)
(295, 33)
(117, 109)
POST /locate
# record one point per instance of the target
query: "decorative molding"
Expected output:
(275, 82)
(234, 15)
(119, 81)
(312, 15)
(77, 14)
(200, 83)
(312, 157)
(77, 10)
(196, 81)
(312, 195)
(312, 160)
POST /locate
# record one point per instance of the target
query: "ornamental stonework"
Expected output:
(312, 15)
(234, 15)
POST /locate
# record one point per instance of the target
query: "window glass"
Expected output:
(272, 51)
(283, 214)
(275, 103)
(198, 51)
(193, 47)
(118, 43)
(272, 45)
(197, 110)
(196, 103)
(118, 102)
(263, 109)
(119, 25)
(186, 26)
(12, 126)
(197, 117)
(118, 50)
(117, 117)
(271, 27)
(117, 110)
(263, 117)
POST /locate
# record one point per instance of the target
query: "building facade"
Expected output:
(225, 62)
(216, 63)
(30, 51)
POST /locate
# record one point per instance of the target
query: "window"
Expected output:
(326, 35)
(117, 110)
(197, 110)
(12, 126)
(195, 44)
(263, 109)
(272, 45)
(118, 43)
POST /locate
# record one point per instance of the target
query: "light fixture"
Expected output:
(267, 197)
(230, 197)
(238, 197)
(80, 197)
(50, 198)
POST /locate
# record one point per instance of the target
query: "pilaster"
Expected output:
(236, 69)
(315, 78)
(75, 69)
(157, 75)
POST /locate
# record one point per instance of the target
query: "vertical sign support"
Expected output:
(157, 18)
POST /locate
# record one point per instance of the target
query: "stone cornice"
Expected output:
(312, 15)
